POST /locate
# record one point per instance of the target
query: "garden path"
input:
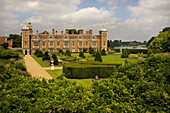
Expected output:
(35, 69)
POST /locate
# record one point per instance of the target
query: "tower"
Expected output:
(25, 39)
(103, 42)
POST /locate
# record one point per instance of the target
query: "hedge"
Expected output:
(80, 71)
(117, 50)
(99, 63)
(136, 51)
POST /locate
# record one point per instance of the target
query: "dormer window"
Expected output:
(65, 37)
(79, 37)
(50, 37)
(93, 37)
(25, 32)
(35, 37)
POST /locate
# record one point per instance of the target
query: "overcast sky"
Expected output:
(124, 19)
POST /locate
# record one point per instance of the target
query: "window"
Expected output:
(80, 49)
(73, 43)
(35, 37)
(50, 37)
(104, 43)
(25, 43)
(93, 43)
(25, 35)
(25, 32)
(66, 43)
(43, 43)
(51, 43)
(58, 43)
(79, 37)
(35, 43)
(73, 50)
(87, 43)
(93, 37)
(65, 37)
(80, 43)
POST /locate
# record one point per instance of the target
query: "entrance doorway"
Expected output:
(25, 52)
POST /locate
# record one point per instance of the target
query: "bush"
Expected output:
(54, 56)
(98, 57)
(81, 54)
(39, 54)
(80, 71)
(61, 51)
(99, 63)
(20, 66)
(5, 45)
(136, 51)
(8, 54)
(124, 54)
(117, 50)
(84, 50)
(68, 53)
(46, 56)
(36, 51)
(91, 50)
(103, 52)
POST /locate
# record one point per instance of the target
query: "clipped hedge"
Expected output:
(80, 71)
(99, 63)
(117, 50)
(136, 51)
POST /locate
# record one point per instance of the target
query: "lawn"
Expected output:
(84, 82)
(39, 60)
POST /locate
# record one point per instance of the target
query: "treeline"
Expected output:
(117, 43)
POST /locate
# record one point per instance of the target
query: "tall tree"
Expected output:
(16, 40)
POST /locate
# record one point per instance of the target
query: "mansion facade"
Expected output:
(75, 42)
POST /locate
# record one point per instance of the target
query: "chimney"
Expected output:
(80, 31)
(67, 31)
(72, 32)
(61, 32)
(37, 31)
(90, 32)
(56, 32)
(45, 33)
(53, 31)
(87, 32)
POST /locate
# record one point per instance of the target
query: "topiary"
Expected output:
(54, 56)
(68, 53)
(61, 51)
(103, 52)
(46, 56)
(91, 51)
(84, 50)
(98, 57)
(36, 51)
(81, 54)
(39, 54)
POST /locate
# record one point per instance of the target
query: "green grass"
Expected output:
(39, 60)
(84, 82)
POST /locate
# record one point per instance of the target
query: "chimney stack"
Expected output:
(53, 31)
(37, 31)
(56, 32)
(90, 32)
(67, 31)
(61, 32)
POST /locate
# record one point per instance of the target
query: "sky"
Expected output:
(125, 20)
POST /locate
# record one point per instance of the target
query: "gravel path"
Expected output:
(35, 69)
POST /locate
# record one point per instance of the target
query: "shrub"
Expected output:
(5, 45)
(46, 56)
(91, 50)
(54, 56)
(20, 66)
(98, 57)
(99, 63)
(68, 53)
(36, 51)
(61, 51)
(39, 54)
(81, 54)
(117, 50)
(8, 54)
(103, 52)
(124, 54)
(80, 71)
(136, 51)
(84, 50)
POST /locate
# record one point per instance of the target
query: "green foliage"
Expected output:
(81, 54)
(16, 40)
(125, 53)
(103, 52)
(80, 71)
(98, 57)
(61, 51)
(44, 32)
(91, 50)
(5, 45)
(84, 50)
(136, 51)
(54, 56)
(161, 42)
(20, 66)
(39, 53)
(36, 51)
(99, 63)
(117, 50)
(8, 54)
(68, 53)
(46, 56)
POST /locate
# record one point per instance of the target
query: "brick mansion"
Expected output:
(75, 42)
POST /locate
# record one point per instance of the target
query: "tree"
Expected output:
(68, 53)
(124, 54)
(46, 56)
(84, 50)
(61, 51)
(103, 52)
(54, 56)
(91, 50)
(98, 57)
(39, 53)
(150, 40)
(36, 51)
(5, 45)
(16, 40)
(81, 54)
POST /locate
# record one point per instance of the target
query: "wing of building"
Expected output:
(70, 40)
